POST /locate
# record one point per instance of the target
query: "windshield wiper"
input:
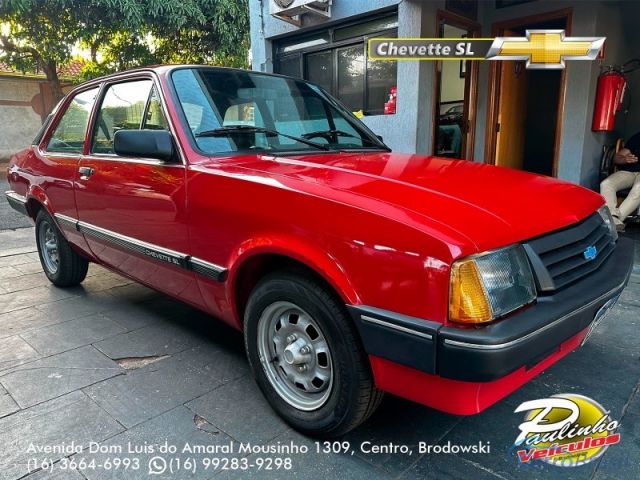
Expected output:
(223, 131)
(340, 133)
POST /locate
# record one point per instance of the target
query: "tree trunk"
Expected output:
(50, 70)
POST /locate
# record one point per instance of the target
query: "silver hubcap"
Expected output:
(295, 356)
(49, 247)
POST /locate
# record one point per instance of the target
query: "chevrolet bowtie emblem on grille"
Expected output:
(590, 253)
(545, 49)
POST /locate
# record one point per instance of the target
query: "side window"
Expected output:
(68, 136)
(122, 108)
(155, 119)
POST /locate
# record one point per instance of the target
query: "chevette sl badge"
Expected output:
(590, 253)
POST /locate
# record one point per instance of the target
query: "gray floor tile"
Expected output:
(621, 460)
(71, 418)
(14, 242)
(104, 281)
(25, 282)
(149, 391)
(72, 334)
(131, 317)
(175, 428)
(403, 423)
(31, 297)
(164, 339)
(7, 405)
(78, 306)
(135, 292)
(619, 328)
(24, 320)
(631, 294)
(450, 467)
(15, 351)
(56, 472)
(51, 377)
(31, 267)
(19, 259)
(9, 272)
(239, 409)
(311, 465)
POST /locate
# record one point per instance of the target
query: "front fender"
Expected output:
(316, 259)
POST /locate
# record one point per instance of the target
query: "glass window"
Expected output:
(381, 76)
(232, 111)
(321, 38)
(69, 134)
(122, 109)
(351, 77)
(366, 28)
(340, 66)
(320, 69)
(290, 65)
(155, 119)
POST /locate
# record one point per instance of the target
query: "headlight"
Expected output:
(608, 221)
(487, 286)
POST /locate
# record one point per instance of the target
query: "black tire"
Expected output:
(72, 268)
(353, 396)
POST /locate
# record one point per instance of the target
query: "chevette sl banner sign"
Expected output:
(542, 49)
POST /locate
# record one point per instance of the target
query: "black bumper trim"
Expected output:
(17, 202)
(489, 352)
(399, 338)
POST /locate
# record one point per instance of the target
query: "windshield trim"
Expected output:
(352, 119)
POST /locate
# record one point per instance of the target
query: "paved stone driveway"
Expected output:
(116, 363)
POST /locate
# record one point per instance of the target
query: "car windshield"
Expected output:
(236, 111)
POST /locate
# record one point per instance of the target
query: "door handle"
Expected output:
(85, 172)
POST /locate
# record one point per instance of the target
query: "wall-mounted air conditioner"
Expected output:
(292, 10)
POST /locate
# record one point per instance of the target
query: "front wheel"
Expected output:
(62, 266)
(306, 356)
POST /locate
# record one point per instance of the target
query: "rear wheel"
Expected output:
(62, 266)
(306, 356)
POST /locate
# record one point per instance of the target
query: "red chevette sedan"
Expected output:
(350, 269)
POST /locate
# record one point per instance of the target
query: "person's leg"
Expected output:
(610, 186)
(632, 202)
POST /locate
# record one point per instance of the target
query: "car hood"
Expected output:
(490, 206)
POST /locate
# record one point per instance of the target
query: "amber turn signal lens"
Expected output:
(468, 300)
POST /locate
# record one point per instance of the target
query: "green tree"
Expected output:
(120, 34)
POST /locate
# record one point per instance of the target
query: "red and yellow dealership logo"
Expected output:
(566, 430)
(545, 49)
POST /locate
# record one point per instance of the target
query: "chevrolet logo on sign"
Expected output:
(545, 49)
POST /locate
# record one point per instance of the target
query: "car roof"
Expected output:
(164, 69)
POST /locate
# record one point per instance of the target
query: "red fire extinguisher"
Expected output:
(390, 106)
(609, 96)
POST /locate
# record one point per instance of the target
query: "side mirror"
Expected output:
(380, 138)
(145, 143)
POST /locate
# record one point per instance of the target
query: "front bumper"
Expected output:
(17, 202)
(490, 353)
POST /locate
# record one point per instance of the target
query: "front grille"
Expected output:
(559, 258)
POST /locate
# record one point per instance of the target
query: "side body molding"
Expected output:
(160, 254)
